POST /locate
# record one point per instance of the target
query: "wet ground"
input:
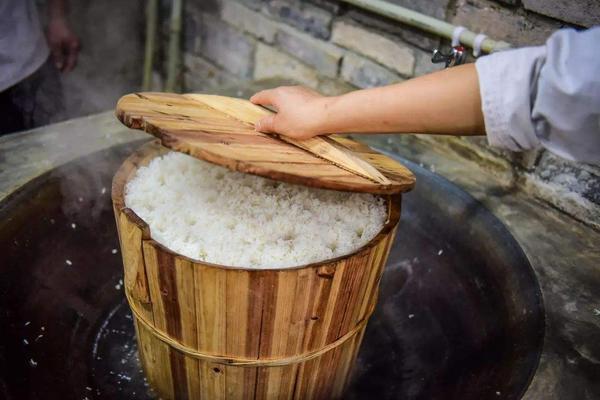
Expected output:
(460, 314)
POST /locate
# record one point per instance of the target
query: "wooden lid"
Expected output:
(221, 130)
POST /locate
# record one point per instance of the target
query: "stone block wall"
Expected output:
(334, 47)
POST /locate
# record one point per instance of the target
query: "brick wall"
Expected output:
(334, 48)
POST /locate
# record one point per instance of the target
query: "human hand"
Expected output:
(64, 45)
(299, 111)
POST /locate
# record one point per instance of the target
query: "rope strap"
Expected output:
(246, 362)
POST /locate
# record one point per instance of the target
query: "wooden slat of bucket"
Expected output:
(350, 285)
(346, 360)
(301, 322)
(320, 289)
(345, 303)
(260, 320)
(329, 367)
(145, 351)
(161, 352)
(365, 290)
(376, 258)
(210, 288)
(239, 334)
(169, 290)
(131, 229)
(150, 349)
(186, 298)
(379, 258)
(277, 382)
(348, 373)
(294, 323)
(135, 280)
(326, 324)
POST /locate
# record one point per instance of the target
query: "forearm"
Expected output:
(446, 102)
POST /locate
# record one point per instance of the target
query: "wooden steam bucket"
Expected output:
(208, 331)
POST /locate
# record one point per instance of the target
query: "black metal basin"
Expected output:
(460, 314)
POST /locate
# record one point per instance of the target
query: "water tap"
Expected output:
(457, 56)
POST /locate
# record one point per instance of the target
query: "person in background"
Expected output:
(30, 90)
(521, 99)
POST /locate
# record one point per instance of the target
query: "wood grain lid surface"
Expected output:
(220, 130)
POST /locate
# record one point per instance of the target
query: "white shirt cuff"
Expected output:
(505, 84)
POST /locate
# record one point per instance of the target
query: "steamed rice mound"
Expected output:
(209, 213)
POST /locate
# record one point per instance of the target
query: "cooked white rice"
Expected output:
(209, 213)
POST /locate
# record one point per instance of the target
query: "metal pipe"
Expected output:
(151, 24)
(426, 23)
(174, 54)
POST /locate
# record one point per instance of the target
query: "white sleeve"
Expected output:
(547, 95)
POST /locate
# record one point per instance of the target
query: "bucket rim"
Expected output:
(148, 151)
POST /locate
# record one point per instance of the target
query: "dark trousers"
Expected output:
(37, 100)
